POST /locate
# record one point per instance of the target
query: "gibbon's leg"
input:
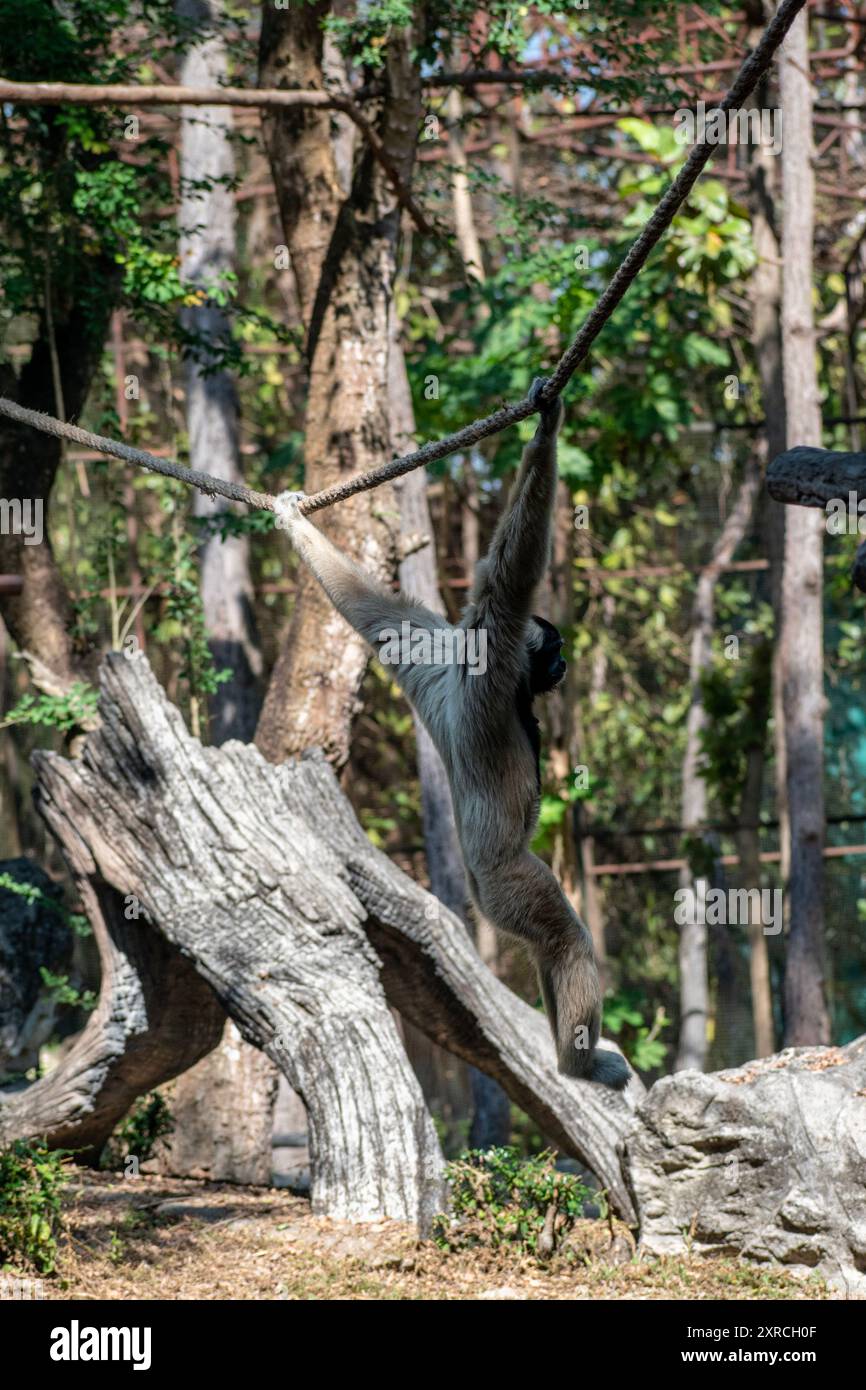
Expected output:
(378, 615)
(524, 899)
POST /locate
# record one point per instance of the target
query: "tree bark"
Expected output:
(806, 1017)
(464, 217)
(208, 218)
(748, 851)
(766, 295)
(342, 240)
(155, 1018)
(222, 1107)
(812, 477)
(694, 984)
(223, 1113)
(39, 619)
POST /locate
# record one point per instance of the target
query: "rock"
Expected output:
(505, 1293)
(767, 1161)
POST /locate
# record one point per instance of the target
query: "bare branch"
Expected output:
(130, 94)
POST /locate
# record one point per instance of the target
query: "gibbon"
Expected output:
(480, 718)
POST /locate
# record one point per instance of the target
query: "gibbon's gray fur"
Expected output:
(483, 727)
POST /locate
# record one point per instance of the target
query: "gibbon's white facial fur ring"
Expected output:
(483, 727)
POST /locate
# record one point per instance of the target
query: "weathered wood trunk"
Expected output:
(263, 878)
(155, 1018)
(810, 477)
(261, 905)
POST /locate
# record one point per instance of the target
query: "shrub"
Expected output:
(498, 1198)
(139, 1134)
(31, 1181)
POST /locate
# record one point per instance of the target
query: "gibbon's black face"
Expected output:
(546, 662)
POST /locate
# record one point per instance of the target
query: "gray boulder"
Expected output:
(768, 1161)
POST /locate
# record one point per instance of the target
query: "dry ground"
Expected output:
(152, 1237)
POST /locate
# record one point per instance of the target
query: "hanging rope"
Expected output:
(751, 72)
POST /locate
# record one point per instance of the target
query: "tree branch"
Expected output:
(131, 94)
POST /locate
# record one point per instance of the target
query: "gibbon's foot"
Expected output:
(609, 1069)
(286, 509)
(572, 1002)
(550, 415)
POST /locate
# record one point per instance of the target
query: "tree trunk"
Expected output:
(749, 853)
(222, 1108)
(694, 984)
(342, 242)
(39, 619)
(464, 217)
(806, 1017)
(223, 1112)
(207, 255)
(766, 294)
(264, 879)
(155, 1018)
(732, 1031)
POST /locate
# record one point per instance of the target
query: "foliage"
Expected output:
(623, 1015)
(64, 712)
(31, 1181)
(76, 921)
(78, 222)
(510, 34)
(62, 991)
(498, 1197)
(736, 698)
(140, 1133)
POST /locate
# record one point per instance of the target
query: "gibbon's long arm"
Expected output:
(515, 563)
(366, 605)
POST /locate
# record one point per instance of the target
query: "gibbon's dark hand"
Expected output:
(550, 415)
